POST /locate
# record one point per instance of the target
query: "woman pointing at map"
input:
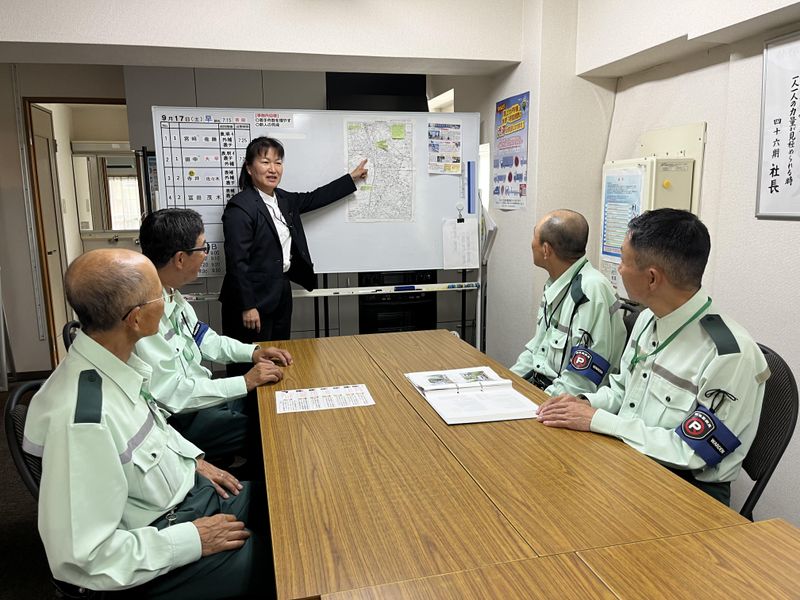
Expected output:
(265, 245)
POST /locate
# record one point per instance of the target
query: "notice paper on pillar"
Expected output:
(510, 164)
(460, 243)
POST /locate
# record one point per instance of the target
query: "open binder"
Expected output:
(472, 395)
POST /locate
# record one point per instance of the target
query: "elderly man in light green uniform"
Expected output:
(691, 384)
(212, 413)
(580, 333)
(124, 499)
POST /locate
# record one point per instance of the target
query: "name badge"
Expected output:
(707, 436)
(588, 363)
(199, 332)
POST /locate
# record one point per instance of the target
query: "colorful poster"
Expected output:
(444, 148)
(510, 165)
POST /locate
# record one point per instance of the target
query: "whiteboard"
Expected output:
(200, 152)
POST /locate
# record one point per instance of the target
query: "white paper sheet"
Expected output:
(460, 243)
(323, 398)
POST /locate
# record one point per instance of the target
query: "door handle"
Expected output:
(51, 252)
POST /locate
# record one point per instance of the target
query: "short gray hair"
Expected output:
(567, 232)
(101, 296)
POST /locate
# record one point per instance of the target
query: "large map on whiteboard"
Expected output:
(388, 192)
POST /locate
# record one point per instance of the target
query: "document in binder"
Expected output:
(472, 395)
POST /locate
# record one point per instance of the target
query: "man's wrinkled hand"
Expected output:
(220, 479)
(220, 533)
(272, 355)
(567, 411)
(261, 373)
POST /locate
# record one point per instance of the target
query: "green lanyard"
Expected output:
(637, 358)
(151, 404)
(188, 350)
(547, 321)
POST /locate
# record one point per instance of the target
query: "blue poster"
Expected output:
(510, 165)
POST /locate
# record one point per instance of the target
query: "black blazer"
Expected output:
(253, 255)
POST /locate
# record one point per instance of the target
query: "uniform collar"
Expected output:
(177, 302)
(130, 377)
(668, 324)
(553, 289)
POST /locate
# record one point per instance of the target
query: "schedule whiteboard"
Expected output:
(200, 152)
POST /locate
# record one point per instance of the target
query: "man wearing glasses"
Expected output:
(212, 413)
(125, 500)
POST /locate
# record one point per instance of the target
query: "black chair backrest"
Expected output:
(28, 466)
(69, 332)
(632, 310)
(775, 428)
(30, 469)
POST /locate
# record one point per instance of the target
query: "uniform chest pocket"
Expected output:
(148, 478)
(556, 342)
(668, 403)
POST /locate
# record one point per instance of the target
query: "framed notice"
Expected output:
(779, 160)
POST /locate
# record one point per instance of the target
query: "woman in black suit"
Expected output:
(265, 245)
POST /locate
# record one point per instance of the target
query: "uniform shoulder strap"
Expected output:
(89, 405)
(576, 291)
(720, 334)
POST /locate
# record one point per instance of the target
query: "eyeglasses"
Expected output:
(133, 308)
(205, 248)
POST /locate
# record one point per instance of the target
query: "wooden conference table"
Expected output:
(374, 496)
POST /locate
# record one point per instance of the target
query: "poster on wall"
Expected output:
(444, 148)
(510, 165)
(778, 190)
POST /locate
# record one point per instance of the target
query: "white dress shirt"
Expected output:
(284, 235)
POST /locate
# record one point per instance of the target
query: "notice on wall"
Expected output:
(622, 201)
(444, 148)
(510, 165)
(778, 192)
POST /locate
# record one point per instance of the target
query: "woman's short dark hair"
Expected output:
(674, 240)
(167, 231)
(256, 148)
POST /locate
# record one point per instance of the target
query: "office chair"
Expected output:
(775, 428)
(28, 466)
(69, 332)
(632, 310)
(30, 470)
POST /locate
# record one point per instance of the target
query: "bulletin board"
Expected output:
(779, 160)
(392, 223)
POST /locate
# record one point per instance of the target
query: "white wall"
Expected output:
(274, 35)
(567, 143)
(620, 37)
(754, 269)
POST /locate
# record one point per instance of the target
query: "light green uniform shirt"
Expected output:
(109, 469)
(180, 382)
(643, 406)
(549, 351)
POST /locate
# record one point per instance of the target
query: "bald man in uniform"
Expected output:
(580, 334)
(125, 500)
